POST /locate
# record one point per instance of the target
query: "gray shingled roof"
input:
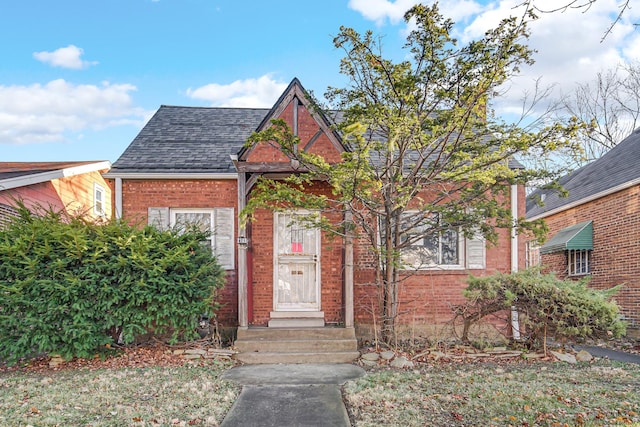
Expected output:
(190, 140)
(618, 166)
(195, 140)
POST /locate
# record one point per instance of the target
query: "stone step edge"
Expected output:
(297, 357)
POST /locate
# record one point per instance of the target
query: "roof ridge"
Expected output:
(213, 108)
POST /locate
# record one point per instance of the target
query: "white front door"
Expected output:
(297, 264)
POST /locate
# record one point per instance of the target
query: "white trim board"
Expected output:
(37, 178)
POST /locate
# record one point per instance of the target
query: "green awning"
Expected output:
(578, 236)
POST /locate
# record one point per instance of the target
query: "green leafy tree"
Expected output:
(424, 154)
(75, 288)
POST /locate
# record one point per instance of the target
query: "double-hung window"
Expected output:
(441, 248)
(217, 222)
(428, 249)
(532, 257)
(98, 200)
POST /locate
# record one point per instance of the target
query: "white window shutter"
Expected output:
(158, 217)
(476, 253)
(224, 243)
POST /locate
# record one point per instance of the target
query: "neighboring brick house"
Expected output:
(595, 230)
(190, 163)
(75, 187)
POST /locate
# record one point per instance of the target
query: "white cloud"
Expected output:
(260, 92)
(44, 113)
(380, 11)
(64, 57)
(569, 43)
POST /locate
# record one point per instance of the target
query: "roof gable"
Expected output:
(617, 169)
(311, 126)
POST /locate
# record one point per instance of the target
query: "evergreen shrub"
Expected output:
(76, 288)
(547, 306)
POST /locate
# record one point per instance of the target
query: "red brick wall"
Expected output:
(261, 282)
(138, 195)
(262, 230)
(331, 273)
(616, 241)
(427, 296)
(307, 129)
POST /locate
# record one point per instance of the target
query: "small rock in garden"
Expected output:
(54, 362)
(387, 355)
(438, 354)
(366, 362)
(528, 356)
(564, 357)
(371, 356)
(584, 356)
(197, 351)
(178, 351)
(401, 362)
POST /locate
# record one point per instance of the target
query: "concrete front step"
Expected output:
(296, 333)
(296, 345)
(318, 345)
(256, 358)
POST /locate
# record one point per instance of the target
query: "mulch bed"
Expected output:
(155, 354)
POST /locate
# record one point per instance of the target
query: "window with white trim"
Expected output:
(437, 250)
(430, 250)
(533, 254)
(444, 249)
(98, 199)
(579, 261)
(219, 222)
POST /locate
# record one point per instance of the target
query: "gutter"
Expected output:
(170, 175)
(515, 321)
(587, 199)
(37, 178)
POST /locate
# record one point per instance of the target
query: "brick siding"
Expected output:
(616, 246)
(139, 195)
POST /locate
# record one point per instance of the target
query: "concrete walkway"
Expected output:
(290, 395)
(618, 356)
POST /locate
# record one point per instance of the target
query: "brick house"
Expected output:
(75, 187)
(190, 163)
(595, 230)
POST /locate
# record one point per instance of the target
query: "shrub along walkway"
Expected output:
(290, 395)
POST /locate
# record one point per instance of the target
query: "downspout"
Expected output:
(118, 198)
(348, 271)
(515, 323)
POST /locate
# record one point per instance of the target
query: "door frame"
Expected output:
(276, 264)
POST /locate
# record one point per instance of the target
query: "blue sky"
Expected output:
(79, 78)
